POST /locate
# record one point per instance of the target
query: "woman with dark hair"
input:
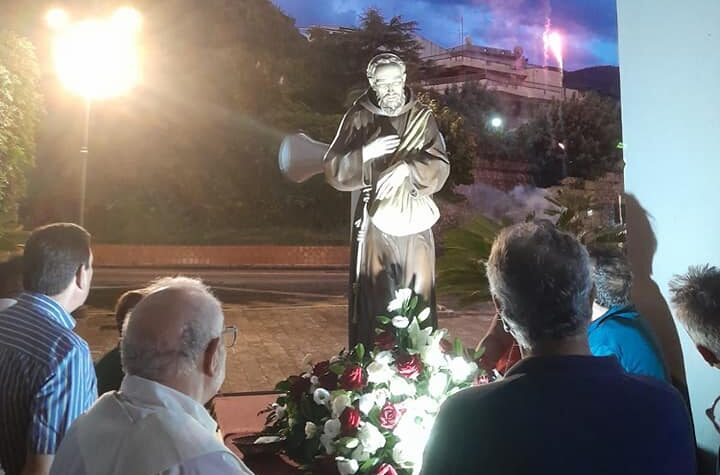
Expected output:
(109, 368)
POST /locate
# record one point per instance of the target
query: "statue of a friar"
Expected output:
(389, 148)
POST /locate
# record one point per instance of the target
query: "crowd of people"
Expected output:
(582, 387)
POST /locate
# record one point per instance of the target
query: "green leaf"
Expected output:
(369, 464)
(359, 352)
(458, 347)
(383, 319)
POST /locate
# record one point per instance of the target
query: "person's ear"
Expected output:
(708, 355)
(81, 277)
(211, 357)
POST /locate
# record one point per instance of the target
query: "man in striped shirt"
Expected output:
(46, 373)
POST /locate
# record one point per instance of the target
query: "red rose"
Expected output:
(352, 378)
(321, 368)
(385, 469)
(408, 366)
(389, 416)
(328, 381)
(298, 387)
(385, 340)
(349, 421)
(446, 346)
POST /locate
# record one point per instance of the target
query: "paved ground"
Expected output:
(282, 316)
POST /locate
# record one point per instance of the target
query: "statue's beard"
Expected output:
(392, 103)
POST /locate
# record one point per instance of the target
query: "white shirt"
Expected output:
(146, 428)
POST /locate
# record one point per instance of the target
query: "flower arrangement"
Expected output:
(372, 412)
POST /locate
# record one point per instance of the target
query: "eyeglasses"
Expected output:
(229, 336)
(710, 413)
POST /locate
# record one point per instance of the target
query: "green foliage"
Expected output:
(587, 126)
(461, 267)
(20, 109)
(460, 141)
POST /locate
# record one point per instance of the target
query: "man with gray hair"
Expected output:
(173, 352)
(696, 297)
(560, 410)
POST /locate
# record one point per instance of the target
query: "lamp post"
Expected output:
(95, 59)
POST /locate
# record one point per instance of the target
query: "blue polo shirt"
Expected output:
(622, 332)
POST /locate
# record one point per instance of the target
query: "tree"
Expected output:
(20, 109)
(579, 137)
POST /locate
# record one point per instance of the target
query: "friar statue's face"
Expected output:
(389, 86)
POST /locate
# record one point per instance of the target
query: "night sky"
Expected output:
(589, 26)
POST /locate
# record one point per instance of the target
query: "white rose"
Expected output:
(346, 466)
(371, 438)
(462, 370)
(314, 380)
(328, 443)
(437, 384)
(310, 430)
(379, 373)
(360, 454)
(381, 395)
(400, 387)
(432, 356)
(401, 296)
(384, 357)
(403, 454)
(422, 316)
(400, 322)
(321, 396)
(332, 428)
(339, 403)
(366, 403)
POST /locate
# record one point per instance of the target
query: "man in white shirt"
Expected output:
(173, 354)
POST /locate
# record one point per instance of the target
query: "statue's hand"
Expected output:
(379, 147)
(390, 182)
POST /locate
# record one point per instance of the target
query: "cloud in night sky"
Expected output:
(588, 26)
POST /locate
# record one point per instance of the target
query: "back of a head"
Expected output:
(696, 297)
(125, 305)
(11, 276)
(540, 278)
(169, 329)
(612, 276)
(52, 257)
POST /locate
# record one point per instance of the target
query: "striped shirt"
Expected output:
(46, 378)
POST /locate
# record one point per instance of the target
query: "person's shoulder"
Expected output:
(655, 392)
(476, 398)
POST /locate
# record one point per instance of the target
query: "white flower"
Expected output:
(461, 370)
(339, 403)
(327, 442)
(371, 438)
(418, 337)
(321, 396)
(346, 466)
(360, 454)
(334, 359)
(381, 395)
(432, 355)
(379, 373)
(422, 316)
(352, 442)
(384, 357)
(404, 454)
(310, 430)
(400, 322)
(437, 384)
(314, 380)
(401, 387)
(332, 428)
(401, 297)
(366, 403)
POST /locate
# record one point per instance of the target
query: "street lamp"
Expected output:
(95, 59)
(496, 122)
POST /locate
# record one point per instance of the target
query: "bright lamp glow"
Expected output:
(496, 122)
(98, 59)
(57, 18)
